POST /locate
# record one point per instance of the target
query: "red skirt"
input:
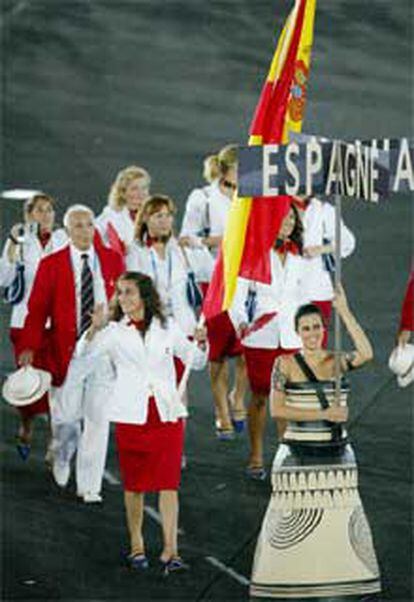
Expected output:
(41, 406)
(222, 338)
(259, 364)
(150, 454)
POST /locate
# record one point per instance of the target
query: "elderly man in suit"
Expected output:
(68, 284)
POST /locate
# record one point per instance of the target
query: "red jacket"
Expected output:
(407, 312)
(53, 296)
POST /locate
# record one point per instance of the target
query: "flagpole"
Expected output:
(338, 277)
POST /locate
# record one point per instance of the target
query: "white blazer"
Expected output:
(284, 296)
(319, 223)
(32, 254)
(170, 276)
(206, 207)
(143, 367)
(120, 220)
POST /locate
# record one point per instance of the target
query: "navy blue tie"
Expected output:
(87, 297)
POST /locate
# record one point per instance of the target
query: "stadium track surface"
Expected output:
(91, 86)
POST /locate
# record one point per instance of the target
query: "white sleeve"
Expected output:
(347, 237)
(237, 312)
(194, 214)
(188, 351)
(101, 343)
(201, 262)
(7, 268)
(89, 354)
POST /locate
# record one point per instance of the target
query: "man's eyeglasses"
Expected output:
(229, 185)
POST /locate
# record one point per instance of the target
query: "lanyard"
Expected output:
(155, 269)
(167, 288)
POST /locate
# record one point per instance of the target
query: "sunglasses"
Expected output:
(229, 185)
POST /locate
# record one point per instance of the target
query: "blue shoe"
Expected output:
(23, 449)
(239, 425)
(256, 473)
(173, 565)
(138, 562)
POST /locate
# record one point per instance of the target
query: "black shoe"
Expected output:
(174, 565)
(138, 562)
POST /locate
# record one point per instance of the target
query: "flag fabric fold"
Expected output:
(253, 223)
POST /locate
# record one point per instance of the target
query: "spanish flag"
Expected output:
(253, 223)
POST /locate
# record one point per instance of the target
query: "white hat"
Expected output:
(401, 362)
(26, 385)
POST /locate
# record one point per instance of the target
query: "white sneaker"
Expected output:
(92, 498)
(61, 473)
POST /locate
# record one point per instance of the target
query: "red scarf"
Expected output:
(286, 246)
(301, 204)
(133, 214)
(151, 240)
(139, 324)
(44, 238)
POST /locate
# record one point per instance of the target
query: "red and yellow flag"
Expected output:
(253, 223)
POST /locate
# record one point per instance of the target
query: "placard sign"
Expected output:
(368, 170)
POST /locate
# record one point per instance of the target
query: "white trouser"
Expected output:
(80, 424)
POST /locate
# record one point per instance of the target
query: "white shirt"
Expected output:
(319, 224)
(99, 291)
(170, 276)
(284, 295)
(206, 209)
(32, 254)
(143, 367)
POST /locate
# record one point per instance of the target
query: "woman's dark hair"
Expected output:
(149, 295)
(297, 232)
(307, 310)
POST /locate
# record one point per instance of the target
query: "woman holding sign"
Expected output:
(315, 539)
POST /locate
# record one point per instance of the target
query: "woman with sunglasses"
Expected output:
(206, 208)
(315, 540)
(204, 223)
(263, 315)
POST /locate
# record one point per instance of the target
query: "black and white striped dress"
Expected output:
(315, 539)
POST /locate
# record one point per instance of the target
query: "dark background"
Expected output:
(91, 86)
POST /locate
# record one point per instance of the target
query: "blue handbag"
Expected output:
(194, 294)
(14, 293)
(328, 259)
(250, 304)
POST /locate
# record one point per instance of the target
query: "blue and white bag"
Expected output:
(14, 293)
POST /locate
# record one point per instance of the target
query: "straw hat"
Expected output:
(26, 385)
(401, 362)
